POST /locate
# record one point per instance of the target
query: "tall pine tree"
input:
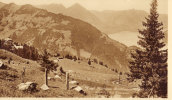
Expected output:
(150, 62)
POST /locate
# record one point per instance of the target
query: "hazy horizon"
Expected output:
(100, 5)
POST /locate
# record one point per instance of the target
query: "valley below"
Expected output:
(126, 37)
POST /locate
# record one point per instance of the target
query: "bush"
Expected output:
(101, 63)
(4, 67)
(57, 55)
(120, 73)
(95, 60)
(3, 57)
(27, 62)
(116, 70)
(75, 58)
(106, 66)
(68, 56)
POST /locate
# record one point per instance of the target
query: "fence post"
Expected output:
(46, 75)
(23, 74)
(67, 81)
(119, 79)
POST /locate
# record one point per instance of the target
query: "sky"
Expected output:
(100, 5)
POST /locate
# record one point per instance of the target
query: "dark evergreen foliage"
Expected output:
(150, 62)
(47, 65)
(27, 52)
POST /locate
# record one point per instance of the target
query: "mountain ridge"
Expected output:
(62, 34)
(109, 21)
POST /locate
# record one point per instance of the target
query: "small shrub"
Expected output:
(106, 66)
(61, 58)
(116, 70)
(3, 57)
(89, 62)
(120, 73)
(101, 63)
(95, 60)
(75, 58)
(27, 62)
(68, 56)
(57, 55)
(4, 67)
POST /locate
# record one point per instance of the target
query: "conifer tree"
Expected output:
(149, 63)
(48, 65)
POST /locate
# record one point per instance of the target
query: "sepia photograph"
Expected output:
(84, 49)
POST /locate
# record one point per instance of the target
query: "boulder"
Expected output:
(49, 78)
(74, 82)
(18, 47)
(23, 86)
(1, 63)
(80, 90)
(2, 66)
(45, 87)
(57, 77)
(55, 61)
(28, 83)
(28, 86)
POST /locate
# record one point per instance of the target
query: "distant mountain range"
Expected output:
(106, 21)
(60, 34)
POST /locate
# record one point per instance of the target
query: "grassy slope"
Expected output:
(9, 88)
(91, 79)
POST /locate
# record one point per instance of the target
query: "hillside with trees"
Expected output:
(60, 34)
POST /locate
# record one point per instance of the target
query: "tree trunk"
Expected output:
(119, 78)
(46, 75)
(23, 74)
(67, 81)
